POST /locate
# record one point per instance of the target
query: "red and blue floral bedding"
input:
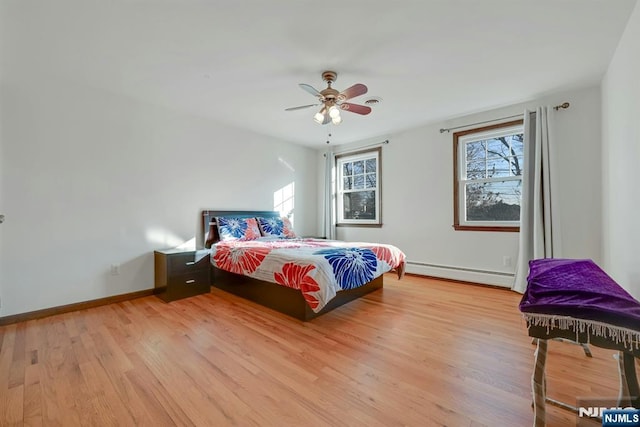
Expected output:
(318, 268)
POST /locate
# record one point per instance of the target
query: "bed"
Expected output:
(291, 274)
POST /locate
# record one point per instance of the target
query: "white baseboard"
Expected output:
(495, 278)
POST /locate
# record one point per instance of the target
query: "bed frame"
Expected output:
(277, 297)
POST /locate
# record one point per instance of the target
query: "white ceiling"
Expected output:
(240, 62)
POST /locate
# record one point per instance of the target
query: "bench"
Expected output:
(576, 300)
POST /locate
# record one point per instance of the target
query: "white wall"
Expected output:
(417, 193)
(90, 178)
(621, 159)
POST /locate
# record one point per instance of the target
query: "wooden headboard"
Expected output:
(209, 227)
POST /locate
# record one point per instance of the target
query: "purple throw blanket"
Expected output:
(579, 289)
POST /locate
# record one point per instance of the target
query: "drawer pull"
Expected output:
(190, 263)
(190, 281)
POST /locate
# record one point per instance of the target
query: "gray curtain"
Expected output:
(539, 214)
(329, 196)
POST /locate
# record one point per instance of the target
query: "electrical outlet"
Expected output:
(115, 269)
(506, 261)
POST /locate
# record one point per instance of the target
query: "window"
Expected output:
(358, 182)
(488, 165)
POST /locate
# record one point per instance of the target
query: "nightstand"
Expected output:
(181, 273)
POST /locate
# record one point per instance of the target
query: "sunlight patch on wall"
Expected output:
(283, 200)
(286, 164)
(166, 239)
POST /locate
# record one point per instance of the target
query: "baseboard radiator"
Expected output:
(486, 277)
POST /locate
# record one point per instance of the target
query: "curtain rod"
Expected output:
(557, 107)
(377, 144)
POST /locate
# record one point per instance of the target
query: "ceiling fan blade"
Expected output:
(300, 107)
(313, 91)
(355, 108)
(355, 90)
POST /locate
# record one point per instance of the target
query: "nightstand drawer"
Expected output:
(186, 263)
(179, 291)
(195, 278)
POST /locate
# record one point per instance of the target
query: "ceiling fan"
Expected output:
(333, 101)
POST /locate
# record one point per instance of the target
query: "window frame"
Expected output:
(459, 156)
(340, 159)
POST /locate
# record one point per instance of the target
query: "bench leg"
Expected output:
(538, 384)
(629, 390)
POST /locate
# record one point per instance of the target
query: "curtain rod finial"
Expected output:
(563, 105)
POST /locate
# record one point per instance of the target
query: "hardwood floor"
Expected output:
(420, 352)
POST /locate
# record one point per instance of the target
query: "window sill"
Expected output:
(485, 228)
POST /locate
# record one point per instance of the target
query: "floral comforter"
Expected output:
(318, 268)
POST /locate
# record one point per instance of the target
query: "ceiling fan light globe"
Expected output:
(318, 118)
(334, 112)
(336, 120)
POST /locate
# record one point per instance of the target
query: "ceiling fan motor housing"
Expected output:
(329, 94)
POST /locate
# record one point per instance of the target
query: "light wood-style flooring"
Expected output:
(420, 352)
